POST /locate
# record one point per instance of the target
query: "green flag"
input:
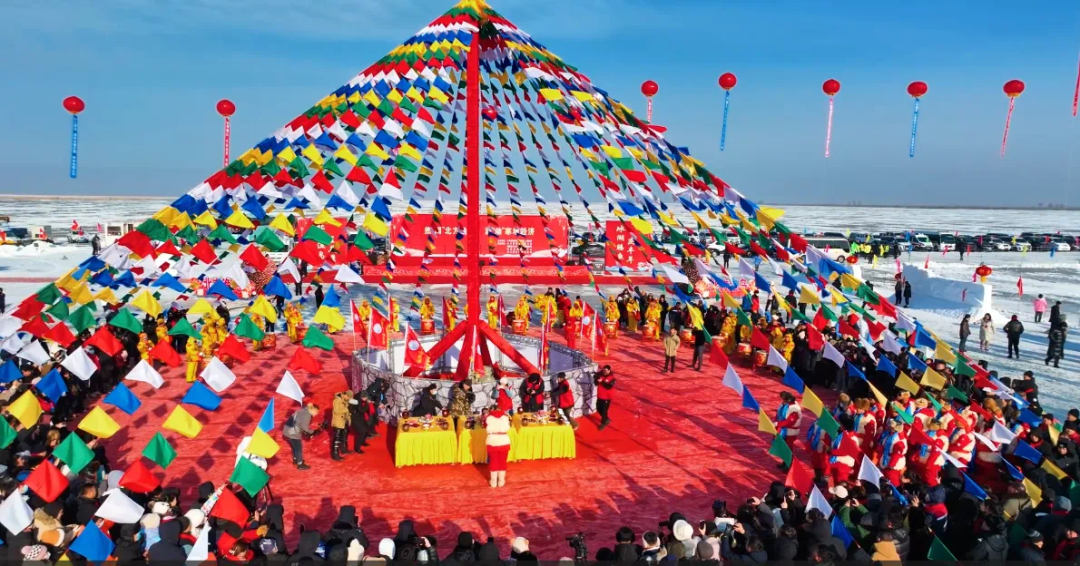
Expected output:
(314, 338)
(247, 329)
(250, 476)
(59, 311)
(938, 551)
(81, 319)
(221, 233)
(7, 434)
(1074, 492)
(742, 318)
(124, 319)
(318, 235)
(184, 328)
(902, 414)
(962, 368)
(829, 424)
(74, 452)
(48, 294)
(362, 241)
(160, 451)
(953, 394)
(781, 450)
(269, 240)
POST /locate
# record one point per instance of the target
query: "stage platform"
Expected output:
(677, 442)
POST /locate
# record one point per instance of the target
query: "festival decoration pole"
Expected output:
(916, 89)
(74, 105)
(727, 82)
(830, 88)
(1013, 89)
(1076, 91)
(226, 108)
(649, 89)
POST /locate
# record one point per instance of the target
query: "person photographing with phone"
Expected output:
(296, 428)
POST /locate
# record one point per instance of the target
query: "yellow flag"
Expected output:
(166, 215)
(907, 384)
(377, 151)
(944, 353)
(324, 217)
(281, 222)
(147, 303)
(812, 402)
(1033, 492)
(262, 307)
(330, 317)
(729, 301)
(612, 151)
(933, 379)
(206, 219)
(764, 423)
(848, 282)
(807, 296)
(81, 294)
(696, 320)
(262, 445)
(343, 153)
(313, 154)
(26, 408)
(1053, 435)
(551, 94)
(643, 226)
(238, 219)
(1053, 469)
(107, 296)
(409, 151)
(764, 219)
(182, 422)
(877, 394)
(202, 306)
(376, 225)
(98, 423)
(181, 222)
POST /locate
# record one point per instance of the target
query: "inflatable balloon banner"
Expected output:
(727, 82)
(649, 89)
(1013, 89)
(916, 89)
(74, 105)
(226, 108)
(830, 88)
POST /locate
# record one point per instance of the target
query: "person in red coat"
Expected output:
(532, 394)
(844, 455)
(502, 397)
(892, 451)
(564, 399)
(865, 426)
(605, 388)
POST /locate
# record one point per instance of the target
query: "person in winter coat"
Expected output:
(532, 394)
(1055, 313)
(340, 423)
(167, 549)
(1013, 330)
(465, 551)
(1055, 349)
(885, 550)
(1040, 308)
(986, 332)
(305, 552)
(274, 519)
(129, 547)
(671, 349)
(429, 404)
(461, 399)
(907, 294)
(1031, 550)
(992, 547)
(358, 417)
(965, 332)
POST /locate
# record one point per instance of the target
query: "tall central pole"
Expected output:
(472, 147)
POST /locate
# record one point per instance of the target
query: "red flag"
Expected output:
(876, 328)
(253, 257)
(230, 508)
(74, 226)
(926, 264)
(415, 354)
(36, 327)
(357, 324)
(588, 320)
(104, 340)
(139, 478)
(717, 355)
(544, 328)
(165, 353)
(1020, 286)
(203, 252)
(848, 330)
(47, 481)
(799, 477)
(235, 349)
(820, 322)
(378, 330)
(758, 340)
(303, 360)
(599, 338)
(60, 334)
(814, 339)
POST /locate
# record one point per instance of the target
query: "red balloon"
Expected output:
(728, 81)
(650, 88)
(74, 104)
(831, 87)
(852, 259)
(917, 89)
(490, 113)
(226, 108)
(1014, 88)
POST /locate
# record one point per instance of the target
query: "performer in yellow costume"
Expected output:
(493, 312)
(161, 331)
(427, 309)
(789, 347)
(633, 314)
(293, 320)
(450, 316)
(394, 311)
(611, 309)
(727, 328)
(652, 315)
(209, 350)
(259, 322)
(191, 350)
(776, 337)
(545, 304)
(522, 311)
(144, 346)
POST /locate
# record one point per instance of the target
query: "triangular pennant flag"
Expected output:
(15, 514)
(139, 479)
(217, 375)
(290, 388)
(229, 507)
(817, 501)
(93, 545)
(314, 338)
(181, 421)
(98, 423)
(146, 373)
(811, 402)
(74, 453)
(159, 451)
(122, 398)
(47, 481)
(202, 397)
(262, 445)
(781, 450)
(249, 476)
(800, 477)
(939, 552)
(119, 508)
(26, 409)
(200, 551)
(765, 424)
(266, 423)
(870, 473)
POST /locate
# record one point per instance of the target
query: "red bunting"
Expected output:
(876, 328)
(35, 327)
(165, 353)
(799, 477)
(759, 340)
(717, 355)
(733, 250)
(308, 251)
(139, 479)
(302, 360)
(798, 243)
(137, 242)
(105, 341)
(848, 330)
(235, 349)
(28, 309)
(47, 481)
(754, 247)
(60, 334)
(320, 182)
(204, 252)
(884, 308)
(253, 257)
(820, 322)
(168, 249)
(229, 508)
(814, 339)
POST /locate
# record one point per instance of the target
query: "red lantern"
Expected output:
(74, 104)
(917, 89)
(983, 271)
(831, 87)
(650, 88)
(490, 113)
(1014, 88)
(852, 259)
(728, 81)
(226, 108)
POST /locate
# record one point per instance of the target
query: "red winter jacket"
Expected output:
(605, 388)
(566, 396)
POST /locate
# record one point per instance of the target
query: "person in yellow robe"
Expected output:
(522, 311)
(209, 350)
(258, 321)
(611, 309)
(427, 309)
(776, 337)
(191, 351)
(789, 347)
(652, 315)
(633, 314)
(292, 322)
(394, 312)
(493, 312)
(450, 316)
(727, 328)
(144, 346)
(161, 331)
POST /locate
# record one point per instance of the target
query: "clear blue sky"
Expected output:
(151, 72)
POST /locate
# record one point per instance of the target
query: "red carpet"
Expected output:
(677, 442)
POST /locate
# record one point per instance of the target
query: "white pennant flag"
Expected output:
(732, 381)
(119, 508)
(959, 465)
(986, 441)
(146, 373)
(13, 344)
(674, 274)
(869, 472)
(15, 514)
(834, 355)
(1001, 434)
(817, 501)
(9, 325)
(290, 388)
(289, 267)
(776, 360)
(345, 274)
(217, 375)
(34, 353)
(889, 344)
(200, 551)
(80, 364)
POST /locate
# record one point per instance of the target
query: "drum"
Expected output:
(270, 341)
(743, 349)
(759, 358)
(427, 326)
(611, 328)
(687, 336)
(649, 329)
(301, 332)
(519, 326)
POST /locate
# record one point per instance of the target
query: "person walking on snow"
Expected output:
(1013, 329)
(965, 331)
(1040, 308)
(1055, 350)
(899, 292)
(986, 332)
(1055, 314)
(907, 293)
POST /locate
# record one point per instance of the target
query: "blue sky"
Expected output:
(151, 72)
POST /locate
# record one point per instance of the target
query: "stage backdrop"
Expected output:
(511, 237)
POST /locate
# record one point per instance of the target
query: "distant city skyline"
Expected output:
(151, 73)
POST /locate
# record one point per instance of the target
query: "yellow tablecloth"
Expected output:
(533, 442)
(424, 447)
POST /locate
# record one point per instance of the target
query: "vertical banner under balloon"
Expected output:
(74, 146)
(727, 82)
(227, 135)
(1076, 91)
(226, 108)
(830, 88)
(1013, 89)
(649, 89)
(916, 89)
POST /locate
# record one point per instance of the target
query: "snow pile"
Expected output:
(932, 292)
(37, 249)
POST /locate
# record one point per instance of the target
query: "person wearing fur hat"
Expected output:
(498, 445)
(532, 394)
(892, 451)
(340, 422)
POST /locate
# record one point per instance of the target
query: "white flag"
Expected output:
(345, 274)
(34, 353)
(146, 373)
(818, 501)
(289, 267)
(776, 360)
(986, 441)
(1001, 434)
(119, 508)
(80, 364)
(869, 472)
(959, 465)
(217, 375)
(889, 343)
(674, 274)
(834, 355)
(200, 551)
(13, 344)
(290, 388)
(9, 325)
(15, 514)
(732, 381)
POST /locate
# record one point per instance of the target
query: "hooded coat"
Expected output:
(128, 550)
(275, 522)
(167, 549)
(309, 543)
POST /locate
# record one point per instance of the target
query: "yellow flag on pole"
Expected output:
(181, 421)
(98, 423)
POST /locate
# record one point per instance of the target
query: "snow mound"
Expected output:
(39, 249)
(949, 297)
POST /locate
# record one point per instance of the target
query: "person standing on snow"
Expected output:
(1040, 308)
(1013, 330)
(965, 331)
(986, 332)
(1055, 350)
(899, 292)
(907, 293)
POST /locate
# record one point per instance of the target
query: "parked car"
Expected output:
(946, 243)
(995, 244)
(1060, 246)
(921, 242)
(1021, 245)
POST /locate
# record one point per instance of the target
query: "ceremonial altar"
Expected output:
(531, 438)
(424, 441)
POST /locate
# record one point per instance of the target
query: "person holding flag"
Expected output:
(788, 418)
(892, 451)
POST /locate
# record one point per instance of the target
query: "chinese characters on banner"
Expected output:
(510, 237)
(621, 251)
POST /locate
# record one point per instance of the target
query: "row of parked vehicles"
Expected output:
(990, 242)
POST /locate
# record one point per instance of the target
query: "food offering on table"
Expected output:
(425, 423)
(542, 418)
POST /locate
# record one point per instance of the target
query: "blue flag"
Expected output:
(122, 398)
(792, 380)
(899, 496)
(854, 371)
(973, 488)
(762, 283)
(840, 531)
(885, 365)
(93, 544)
(277, 288)
(1013, 471)
(788, 281)
(915, 364)
(201, 396)
(221, 288)
(266, 423)
(52, 385)
(748, 401)
(331, 298)
(1029, 418)
(10, 372)
(1025, 451)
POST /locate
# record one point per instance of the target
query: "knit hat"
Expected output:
(196, 517)
(35, 553)
(520, 545)
(682, 530)
(267, 546)
(1062, 503)
(1074, 413)
(387, 547)
(1035, 536)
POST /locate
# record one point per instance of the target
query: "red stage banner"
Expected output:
(511, 236)
(622, 252)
